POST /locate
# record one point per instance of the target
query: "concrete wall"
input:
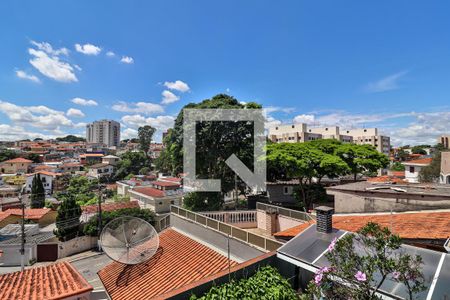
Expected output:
(76, 245)
(282, 222)
(239, 251)
(354, 203)
(11, 255)
(277, 193)
(445, 167)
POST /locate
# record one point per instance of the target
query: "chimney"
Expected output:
(324, 219)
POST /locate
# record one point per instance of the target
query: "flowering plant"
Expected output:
(360, 263)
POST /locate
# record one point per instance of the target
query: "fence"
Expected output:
(228, 229)
(162, 223)
(295, 214)
(247, 217)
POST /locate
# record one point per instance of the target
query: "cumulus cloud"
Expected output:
(24, 75)
(14, 133)
(52, 67)
(47, 48)
(129, 133)
(127, 60)
(73, 112)
(385, 84)
(272, 109)
(138, 107)
(88, 49)
(177, 86)
(160, 122)
(304, 118)
(110, 54)
(84, 102)
(41, 116)
(169, 97)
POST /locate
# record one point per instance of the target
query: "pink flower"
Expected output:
(318, 278)
(360, 276)
(396, 275)
(332, 245)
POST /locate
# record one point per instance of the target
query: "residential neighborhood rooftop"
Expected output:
(54, 281)
(179, 261)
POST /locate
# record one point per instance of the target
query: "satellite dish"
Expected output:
(129, 240)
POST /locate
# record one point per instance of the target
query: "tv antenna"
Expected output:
(129, 240)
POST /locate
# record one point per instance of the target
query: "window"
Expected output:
(276, 128)
(287, 190)
(326, 129)
(411, 169)
(365, 130)
(293, 126)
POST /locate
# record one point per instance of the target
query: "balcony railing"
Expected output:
(227, 229)
(233, 217)
(295, 214)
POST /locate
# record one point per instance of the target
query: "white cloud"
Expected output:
(139, 107)
(110, 54)
(128, 133)
(36, 116)
(88, 49)
(177, 86)
(169, 97)
(52, 67)
(15, 133)
(84, 102)
(271, 122)
(24, 75)
(385, 84)
(272, 109)
(127, 60)
(73, 112)
(304, 118)
(160, 122)
(47, 48)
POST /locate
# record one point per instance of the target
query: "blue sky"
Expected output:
(358, 63)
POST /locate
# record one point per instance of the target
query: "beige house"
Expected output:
(445, 168)
(157, 197)
(445, 141)
(100, 170)
(15, 166)
(299, 133)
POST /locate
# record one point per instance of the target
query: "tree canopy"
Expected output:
(68, 219)
(37, 196)
(215, 142)
(145, 136)
(82, 189)
(131, 162)
(71, 139)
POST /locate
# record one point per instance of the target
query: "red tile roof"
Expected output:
(89, 209)
(18, 160)
(431, 225)
(179, 261)
(171, 179)
(55, 281)
(30, 213)
(165, 183)
(422, 161)
(386, 178)
(149, 191)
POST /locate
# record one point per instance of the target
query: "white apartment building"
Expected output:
(299, 133)
(104, 132)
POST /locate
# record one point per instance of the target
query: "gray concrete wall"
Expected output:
(239, 251)
(350, 202)
(276, 194)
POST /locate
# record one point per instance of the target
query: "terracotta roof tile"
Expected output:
(30, 213)
(55, 281)
(88, 209)
(386, 178)
(18, 160)
(149, 191)
(179, 261)
(422, 161)
(431, 225)
(165, 183)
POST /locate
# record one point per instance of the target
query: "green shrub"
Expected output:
(266, 284)
(91, 227)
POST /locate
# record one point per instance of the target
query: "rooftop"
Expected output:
(18, 160)
(165, 183)
(109, 206)
(30, 213)
(421, 161)
(55, 281)
(96, 166)
(429, 189)
(426, 225)
(179, 261)
(149, 191)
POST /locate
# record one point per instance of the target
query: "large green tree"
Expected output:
(362, 159)
(304, 162)
(7, 154)
(37, 196)
(131, 163)
(68, 219)
(215, 142)
(82, 189)
(432, 172)
(145, 136)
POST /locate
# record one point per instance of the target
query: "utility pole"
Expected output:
(22, 246)
(100, 196)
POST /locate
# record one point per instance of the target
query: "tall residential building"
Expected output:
(444, 140)
(104, 131)
(299, 133)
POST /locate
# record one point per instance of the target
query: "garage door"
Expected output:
(47, 252)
